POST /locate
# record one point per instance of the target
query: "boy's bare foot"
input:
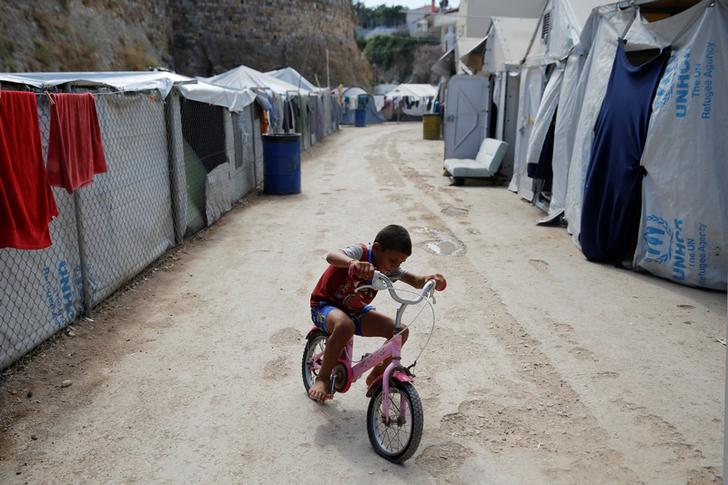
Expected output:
(319, 392)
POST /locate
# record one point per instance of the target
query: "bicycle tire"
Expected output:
(306, 372)
(417, 418)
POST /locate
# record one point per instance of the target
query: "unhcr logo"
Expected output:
(665, 245)
(658, 236)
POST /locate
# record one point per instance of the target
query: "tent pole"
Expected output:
(328, 77)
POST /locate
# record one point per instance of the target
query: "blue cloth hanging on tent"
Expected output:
(613, 188)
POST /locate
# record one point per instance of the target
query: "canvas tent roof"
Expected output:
(243, 77)
(445, 65)
(473, 46)
(354, 91)
(131, 81)
(127, 81)
(507, 42)
(291, 76)
(413, 90)
(559, 27)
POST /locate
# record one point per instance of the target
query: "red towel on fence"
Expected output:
(26, 200)
(75, 151)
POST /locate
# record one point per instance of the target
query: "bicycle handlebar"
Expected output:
(381, 282)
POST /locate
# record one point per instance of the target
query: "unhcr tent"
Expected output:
(506, 45)
(413, 99)
(293, 77)
(244, 77)
(273, 92)
(684, 219)
(556, 44)
(683, 192)
(529, 97)
(351, 104)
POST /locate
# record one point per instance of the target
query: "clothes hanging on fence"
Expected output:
(613, 189)
(75, 149)
(26, 200)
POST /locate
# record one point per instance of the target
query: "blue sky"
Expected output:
(406, 3)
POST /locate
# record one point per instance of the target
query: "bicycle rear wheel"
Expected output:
(315, 345)
(396, 436)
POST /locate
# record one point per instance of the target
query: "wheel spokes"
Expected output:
(391, 435)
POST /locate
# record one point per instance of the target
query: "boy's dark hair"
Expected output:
(396, 238)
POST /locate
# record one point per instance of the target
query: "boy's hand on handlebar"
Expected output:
(440, 282)
(361, 269)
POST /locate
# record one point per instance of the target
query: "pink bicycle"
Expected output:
(394, 416)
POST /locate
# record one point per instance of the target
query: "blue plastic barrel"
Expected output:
(282, 163)
(360, 117)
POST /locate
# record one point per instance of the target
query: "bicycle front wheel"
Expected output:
(397, 435)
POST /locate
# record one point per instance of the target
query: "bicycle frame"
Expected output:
(391, 348)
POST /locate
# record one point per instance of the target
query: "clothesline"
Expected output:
(47, 92)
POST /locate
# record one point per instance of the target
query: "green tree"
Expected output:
(381, 16)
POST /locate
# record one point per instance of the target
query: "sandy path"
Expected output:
(543, 367)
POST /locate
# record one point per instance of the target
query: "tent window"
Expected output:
(546, 27)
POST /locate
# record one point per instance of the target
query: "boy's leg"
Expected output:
(341, 330)
(376, 324)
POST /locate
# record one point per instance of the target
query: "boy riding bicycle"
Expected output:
(341, 312)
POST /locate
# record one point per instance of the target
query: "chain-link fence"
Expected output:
(173, 167)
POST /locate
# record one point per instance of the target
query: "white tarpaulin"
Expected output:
(291, 76)
(529, 100)
(127, 81)
(412, 91)
(244, 77)
(599, 37)
(131, 81)
(507, 42)
(569, 106)
(544, 116)
(684, 225)
(232, 99)
(565, 20)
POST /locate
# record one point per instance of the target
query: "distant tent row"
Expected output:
(396, 102)
(617, 129)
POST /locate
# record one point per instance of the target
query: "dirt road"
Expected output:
(543, 368)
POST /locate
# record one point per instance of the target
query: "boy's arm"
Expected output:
(418, 281)
(340, 259)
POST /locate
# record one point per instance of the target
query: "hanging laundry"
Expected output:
(613, 189)
(75, 150)
(26, 200)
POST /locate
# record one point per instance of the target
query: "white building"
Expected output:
(416, 22)
(473, 18)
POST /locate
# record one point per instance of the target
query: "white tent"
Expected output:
(351, 104)
(506, 44)
(413, 91)
(243, 77)
(131, 81)
(684, 220)
(293, 77)
(529, 97)
(419, 98)
(556, 41)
